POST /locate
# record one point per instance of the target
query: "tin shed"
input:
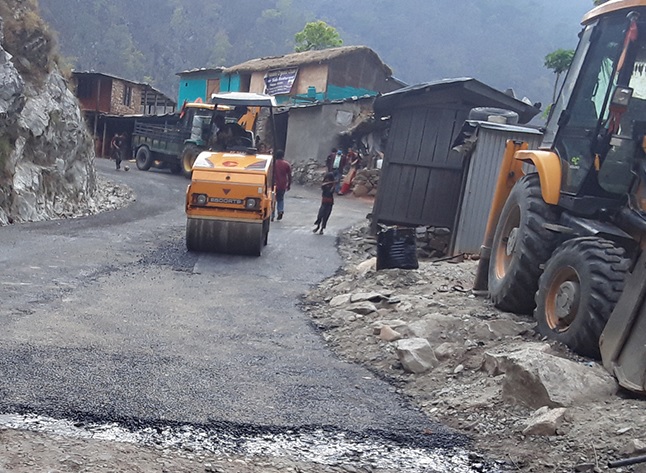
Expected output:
(486, 143)
(422, 176)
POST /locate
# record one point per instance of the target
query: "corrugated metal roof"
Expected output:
(466, 89)
(330, 102)
(201, 70)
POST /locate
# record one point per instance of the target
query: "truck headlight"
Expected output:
(250, 204)
(199, 199)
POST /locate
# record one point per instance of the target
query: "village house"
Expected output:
(325, 92)
(110, 104)
(197, 85)
(313, 76)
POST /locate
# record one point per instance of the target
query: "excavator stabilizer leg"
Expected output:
(623, 340)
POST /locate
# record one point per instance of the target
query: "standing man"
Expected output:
(338, 163)
(329, 160)
(117, 145)
(282, 180)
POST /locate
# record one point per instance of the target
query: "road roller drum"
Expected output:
(225, 236)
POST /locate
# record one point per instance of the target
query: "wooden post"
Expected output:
(105, 134)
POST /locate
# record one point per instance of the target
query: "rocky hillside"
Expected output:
(46, 154)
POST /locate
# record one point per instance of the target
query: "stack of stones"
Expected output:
(308, 173)
(366, 182)
(432, 242)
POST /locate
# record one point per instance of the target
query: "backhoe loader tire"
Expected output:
(189, 154)
(144, 158)
(521, 244)
(578, 291)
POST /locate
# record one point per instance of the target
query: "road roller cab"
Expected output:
(231, 194)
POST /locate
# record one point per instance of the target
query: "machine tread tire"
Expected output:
(601, 268)
(189, 154)
(144, 158)
(514, 290)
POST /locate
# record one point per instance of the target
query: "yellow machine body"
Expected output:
(229, 202)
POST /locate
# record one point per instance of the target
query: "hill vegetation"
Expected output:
(501, 42)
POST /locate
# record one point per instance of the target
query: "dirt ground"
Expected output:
(459, 392)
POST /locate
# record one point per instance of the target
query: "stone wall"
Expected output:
(118, 91)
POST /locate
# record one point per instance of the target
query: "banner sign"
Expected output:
(280, 82)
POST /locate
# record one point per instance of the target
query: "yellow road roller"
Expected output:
(230, 197)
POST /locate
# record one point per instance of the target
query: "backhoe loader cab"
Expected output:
(231, 194)
(562, 240)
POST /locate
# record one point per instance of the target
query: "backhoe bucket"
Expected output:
(623, 341)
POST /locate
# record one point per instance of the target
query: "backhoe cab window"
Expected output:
(595, 85)
(588, 106)
(616, 173)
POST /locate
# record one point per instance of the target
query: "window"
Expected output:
(127, 95)
(84, 88)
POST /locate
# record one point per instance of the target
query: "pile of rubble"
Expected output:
(366, 182)
(526, 401)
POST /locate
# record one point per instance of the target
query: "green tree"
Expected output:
(317, 35)
(558, 61)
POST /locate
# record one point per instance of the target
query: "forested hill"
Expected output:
(501, 42)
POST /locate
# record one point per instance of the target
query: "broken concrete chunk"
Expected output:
(435, 327)
(447, 350)
(635, 447)
(365, 267)
(544, 421)
(416, 355)
(499, 328)
(340, 300)
(388, 334)
(363, 308)
(395, 324)
(367, 296)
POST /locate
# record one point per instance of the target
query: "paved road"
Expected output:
(109, 318)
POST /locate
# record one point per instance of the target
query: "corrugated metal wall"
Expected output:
(480, 183)
(422, 175)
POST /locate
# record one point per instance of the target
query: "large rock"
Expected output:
(535, 378)
(46, 154)
(416, 355)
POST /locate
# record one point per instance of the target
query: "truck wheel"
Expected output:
(144, 158)
(189, 154)
(578, 290)
(520, 246)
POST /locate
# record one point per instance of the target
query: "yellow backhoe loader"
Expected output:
(566, 240)
(231, 194)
